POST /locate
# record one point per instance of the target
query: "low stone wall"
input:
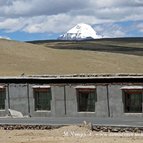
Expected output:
(118, 129)
(94, 128)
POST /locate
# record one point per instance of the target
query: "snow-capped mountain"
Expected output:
(80, 32)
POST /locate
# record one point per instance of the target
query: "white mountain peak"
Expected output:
(81, 31)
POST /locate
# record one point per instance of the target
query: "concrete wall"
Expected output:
(18, 98)
(115, 100)
(58, 104)
(71, 104)
(101, 107)
(64, 101)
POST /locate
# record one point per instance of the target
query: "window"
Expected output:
(42, 98)
(2, 98)
(86, 99)
(132, 100)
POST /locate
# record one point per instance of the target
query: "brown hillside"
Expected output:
(19, 57)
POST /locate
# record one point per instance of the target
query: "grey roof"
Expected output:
(75, 78)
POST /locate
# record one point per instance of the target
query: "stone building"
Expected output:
(73, 95)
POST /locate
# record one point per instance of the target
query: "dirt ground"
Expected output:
(68, 134)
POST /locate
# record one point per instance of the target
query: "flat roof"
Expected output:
(75, 78)
(65, 76)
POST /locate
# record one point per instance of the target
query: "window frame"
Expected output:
(90, 107)
(2, 93)
(45, 99)
(132, 91)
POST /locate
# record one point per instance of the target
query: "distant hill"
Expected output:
(52, 57)
(132, 46)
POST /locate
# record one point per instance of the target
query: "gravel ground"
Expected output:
(67, 134)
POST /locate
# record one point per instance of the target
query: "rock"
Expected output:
(15, 114)
(115, 130)
(87, 125)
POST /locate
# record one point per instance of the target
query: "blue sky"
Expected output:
(25, 20)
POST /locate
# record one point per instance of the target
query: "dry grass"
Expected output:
(17, 58)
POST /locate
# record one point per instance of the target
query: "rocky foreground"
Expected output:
(85, 125)
(65, 134)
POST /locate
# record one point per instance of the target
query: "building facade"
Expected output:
(73, 96)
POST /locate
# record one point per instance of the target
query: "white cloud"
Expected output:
(52, 24)
(11, 25)
(38, 16)
(47, 24)
(97, 8)
(40, 7)
(5, 37)
(140, 27)
(110, 30)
